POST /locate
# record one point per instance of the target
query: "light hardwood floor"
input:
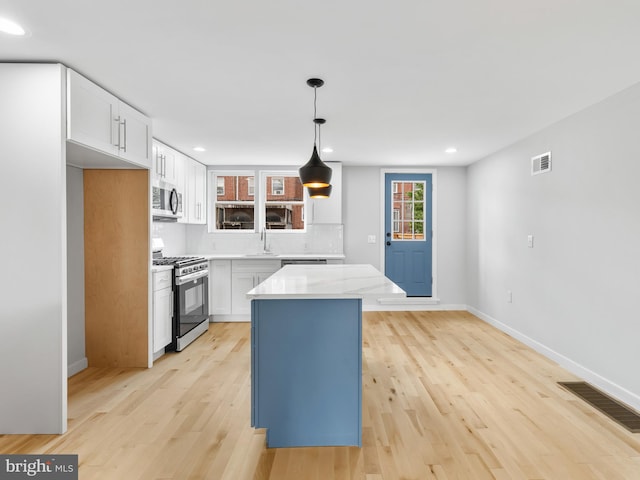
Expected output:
(445, 396)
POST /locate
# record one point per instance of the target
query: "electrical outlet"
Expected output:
(530, 241)
(371, 239)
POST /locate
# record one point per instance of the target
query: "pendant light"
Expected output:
(322, 192)
(315, 173)
(319, 192)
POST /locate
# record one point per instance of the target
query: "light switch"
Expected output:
(530, 241)
(371, 239)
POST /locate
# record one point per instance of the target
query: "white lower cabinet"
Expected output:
(162, 309)
(246, 274)
(230, 280)
(241, 283)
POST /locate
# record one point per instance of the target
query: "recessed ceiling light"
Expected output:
(11, 27)
(200, 149)
(451, 150)
(327, 150)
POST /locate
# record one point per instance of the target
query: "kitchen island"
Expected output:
(306, 352)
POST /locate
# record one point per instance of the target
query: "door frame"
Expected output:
(434, 217)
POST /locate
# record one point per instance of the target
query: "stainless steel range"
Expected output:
(191, 298)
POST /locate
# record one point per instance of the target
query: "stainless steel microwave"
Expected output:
(166, 203)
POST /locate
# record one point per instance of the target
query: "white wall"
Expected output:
(362, 217)
(33, 370)
(575, 291)
(174, 236)
(76, 357)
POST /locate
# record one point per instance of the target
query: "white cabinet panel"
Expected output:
(195, 192)
(162, 313)
(219, 287)
(135, 135)
(162, 309)
(92, 115)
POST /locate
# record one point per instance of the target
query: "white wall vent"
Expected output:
(541, 163)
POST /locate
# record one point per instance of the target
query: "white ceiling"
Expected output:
(405, 79)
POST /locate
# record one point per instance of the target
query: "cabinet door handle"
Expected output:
(124, 125)
(117, 121)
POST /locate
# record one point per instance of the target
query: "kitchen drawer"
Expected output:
(162, 279)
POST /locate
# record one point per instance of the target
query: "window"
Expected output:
(284, 202)
(276, 201)
(277, 185)
(234, 206)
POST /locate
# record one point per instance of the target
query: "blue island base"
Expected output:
(306, 371)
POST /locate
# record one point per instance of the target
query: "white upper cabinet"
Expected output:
(166, 164)
(135, 135)
(328, 210)
(97, 119)
(195, 192)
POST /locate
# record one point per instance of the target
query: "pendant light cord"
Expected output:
(315, 125)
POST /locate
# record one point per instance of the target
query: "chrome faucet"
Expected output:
(263, 237)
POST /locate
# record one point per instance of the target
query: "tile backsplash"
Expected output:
(317, 239)
(180, 239)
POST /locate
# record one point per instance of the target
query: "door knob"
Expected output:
(388, 234)
(388, 244)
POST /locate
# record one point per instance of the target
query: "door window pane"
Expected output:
(408, 210)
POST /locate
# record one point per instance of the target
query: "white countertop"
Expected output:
(160, 268)
(267, 256)
(326, 281)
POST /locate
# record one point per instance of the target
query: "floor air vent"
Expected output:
(611, 408)
(541, 163)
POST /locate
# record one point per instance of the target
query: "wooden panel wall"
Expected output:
(116, 236)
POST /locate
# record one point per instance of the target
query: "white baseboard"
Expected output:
(612, 389)
(409, 307)
(77, 367)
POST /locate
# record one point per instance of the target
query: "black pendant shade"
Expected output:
(322, 192)
(315, 173)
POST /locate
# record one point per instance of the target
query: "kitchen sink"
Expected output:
(262, 254)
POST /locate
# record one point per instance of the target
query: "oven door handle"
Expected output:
(192, 276)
